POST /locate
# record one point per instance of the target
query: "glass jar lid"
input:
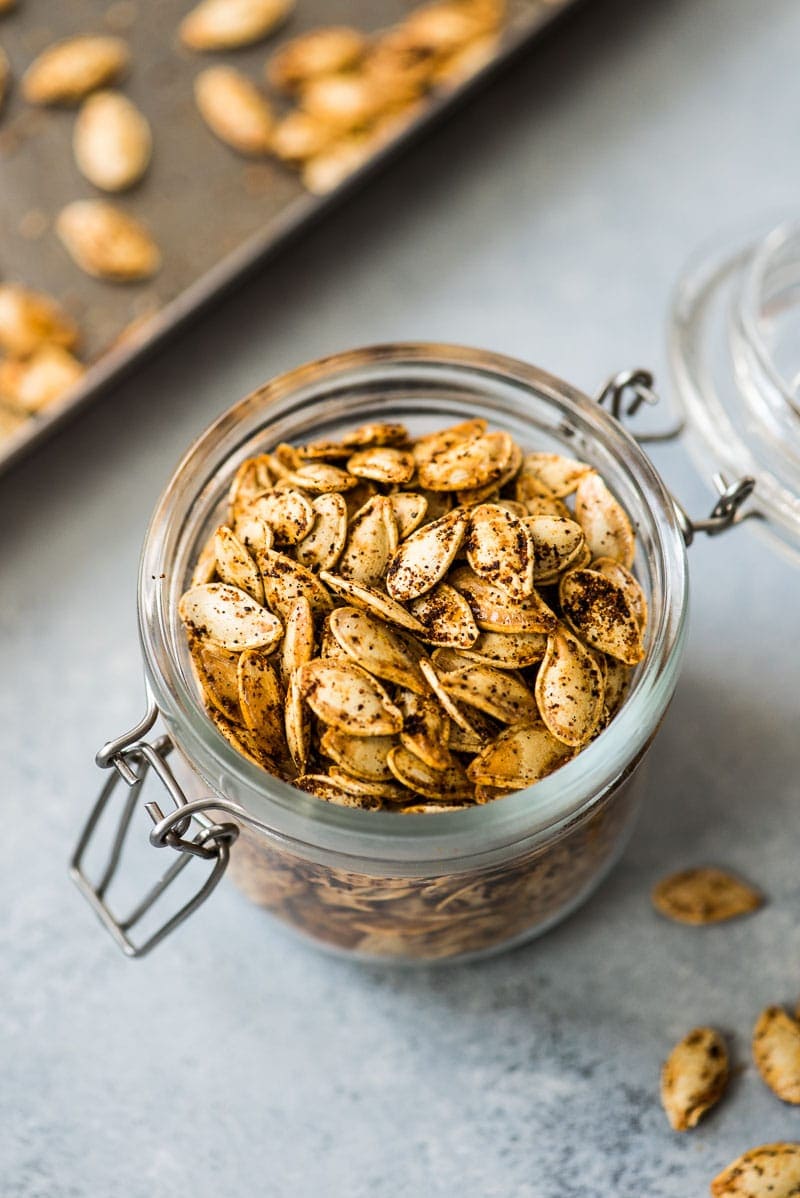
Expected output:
(735, 357)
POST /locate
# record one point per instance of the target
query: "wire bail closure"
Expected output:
(727, 511)
(132, 759)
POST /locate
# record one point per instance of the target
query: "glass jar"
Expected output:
(377, 885)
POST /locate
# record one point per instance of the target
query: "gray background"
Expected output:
(548, 220)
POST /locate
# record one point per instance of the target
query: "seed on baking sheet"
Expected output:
(322, 547)
(694, 1077)
(29, 319)
(229, 618)
(383, 464)
(296, 137)
(42, 379)
(499, 694)
(227, 24)
(325, 51)
(409, 511)
(776, 1052)
(235, 565)
(111, 141)
(296, 723)
(69, 70)
(619, 574)
(447, 617)
(371, 541)
(558, 545)
(349, 698)
(424, 558)
(495, 611)
(426, 729)
(607, 529)
(286, 580)
(216, 672)
(372, 601)
(362, 757)
(468, 464)
(410, 770)
(570, 689)
(381, 651)
(261, 700)
(234, 110)
(518, 757)
(320, 477)
(507, 651)
(298, 637)
(501, 550)
(288, 513)
(106, 242)
(5, 75)
(600, 612)
(325, 171)
(323, 787)
(467, 62)
(704, 895)
(345, 102)
(771, 1171)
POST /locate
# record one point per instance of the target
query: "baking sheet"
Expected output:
(213, 213)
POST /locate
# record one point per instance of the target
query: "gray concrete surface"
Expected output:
(549, 221)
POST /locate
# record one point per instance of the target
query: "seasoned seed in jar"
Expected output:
(394, 623)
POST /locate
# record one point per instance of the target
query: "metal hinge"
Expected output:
(728, 511)
(132, 759)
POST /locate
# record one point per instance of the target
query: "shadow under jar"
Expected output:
(421, 887)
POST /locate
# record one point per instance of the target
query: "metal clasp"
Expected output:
(132, 760)
(727, 511)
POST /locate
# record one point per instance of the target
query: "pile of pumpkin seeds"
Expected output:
(415, 624)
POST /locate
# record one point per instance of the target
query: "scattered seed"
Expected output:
(776, 1052)
(771, 1171)
(694, 1077)
(704, 895)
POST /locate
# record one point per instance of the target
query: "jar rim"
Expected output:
(281, 810)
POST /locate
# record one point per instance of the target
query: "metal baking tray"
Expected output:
(213, 213)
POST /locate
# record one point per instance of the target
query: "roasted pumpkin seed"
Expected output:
(235, 566)
(380, 650)
(776, 1052)
(111, 141)
(501, 550)
(69, 70)
(322, 547)
(229, 617)
(29, 320)
(228, 24)
(348, 698)
(600, 612)
(694, 1077)
(704, 895)
(570, 689)
(371, 542)
(771, 1171)
(106, 242)
(447, 617)
(424, 558)
(235, 110)
(607, 529)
